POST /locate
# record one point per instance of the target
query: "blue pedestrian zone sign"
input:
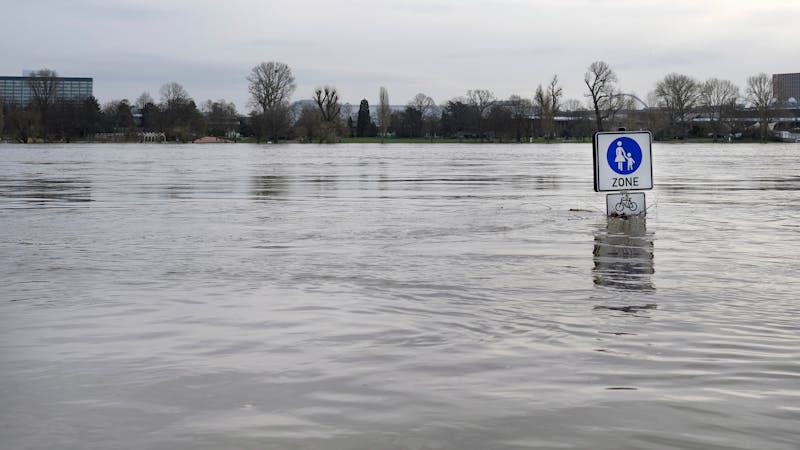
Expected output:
(624, 155)
(623, 161)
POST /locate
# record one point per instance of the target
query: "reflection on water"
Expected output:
(323, 184)
(38, 189)
(274, 187)
(266, 187)
(734, 184)
(178, 191)
(546, 182)
(623, 254)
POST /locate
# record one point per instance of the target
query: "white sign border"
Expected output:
(599, 156)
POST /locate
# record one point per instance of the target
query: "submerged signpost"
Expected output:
(623, 163)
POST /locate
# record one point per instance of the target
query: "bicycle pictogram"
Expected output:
(626, 202)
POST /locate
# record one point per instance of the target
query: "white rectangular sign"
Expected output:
(626, 204)
(623, 161)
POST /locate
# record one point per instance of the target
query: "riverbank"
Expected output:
(392, 140)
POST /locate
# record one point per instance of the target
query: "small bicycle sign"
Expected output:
(625, 203)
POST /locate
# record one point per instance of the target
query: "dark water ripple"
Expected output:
(363, 297)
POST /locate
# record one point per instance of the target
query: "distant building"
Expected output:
(786, 86)
(17, 90)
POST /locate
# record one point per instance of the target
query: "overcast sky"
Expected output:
(439, 47)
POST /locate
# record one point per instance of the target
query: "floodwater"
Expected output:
(396, 297)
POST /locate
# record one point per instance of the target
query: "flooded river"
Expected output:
(396, 297)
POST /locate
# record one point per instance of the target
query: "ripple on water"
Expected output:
(403, 297)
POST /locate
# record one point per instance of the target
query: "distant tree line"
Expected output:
(679, 107)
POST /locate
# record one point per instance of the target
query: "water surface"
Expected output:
(395, 297)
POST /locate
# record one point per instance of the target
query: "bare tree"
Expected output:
(555, 92)
(601, 81)
(573, 104)
(144, 100)
(715, 96)
(579, 124)
(271, 86)
(346, 117)
(118, 116)
(678, 94)
(44, 85)
(180, 118)
(759, 95)
(308, 123)
(425, 107)
(327, 100)
(150, 112)
(384, 112)
(482, 101)
(548, 102)
(346, 111)
(173, 94)
(221, 117)
(219, 106)
(521, 110)
(422, 103)
(542, 104)
(45, 91)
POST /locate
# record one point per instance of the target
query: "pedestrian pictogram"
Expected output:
(624, 155)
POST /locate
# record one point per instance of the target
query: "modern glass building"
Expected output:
(17, 90)
(786, 86)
